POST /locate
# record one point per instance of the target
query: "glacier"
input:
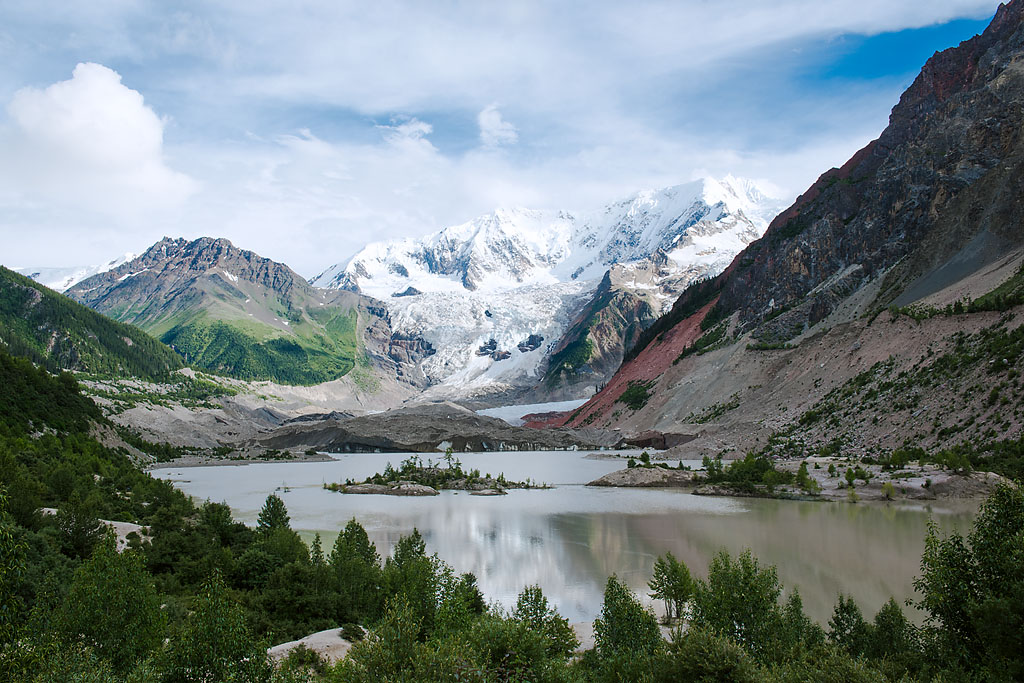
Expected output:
(478, 290)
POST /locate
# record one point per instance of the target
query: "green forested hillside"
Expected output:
(60, 334)
(222, 347)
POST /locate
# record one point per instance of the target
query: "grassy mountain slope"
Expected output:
(60, 334)
(231, 311)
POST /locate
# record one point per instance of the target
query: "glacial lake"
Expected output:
(569, 539)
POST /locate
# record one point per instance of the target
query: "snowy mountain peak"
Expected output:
(62, 279)
(509, 248)
(495, 294)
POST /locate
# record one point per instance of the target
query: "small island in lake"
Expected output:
(414, 478)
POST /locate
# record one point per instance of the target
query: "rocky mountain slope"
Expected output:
(231, 311)
(60, 334)
(497, 296)
(881, 307)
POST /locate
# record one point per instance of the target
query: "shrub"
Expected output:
(703, 656)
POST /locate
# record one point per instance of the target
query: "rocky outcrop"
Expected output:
(592, 348)
(941, 185)
(402, 488)
(646, 477)
(657, 440)
(531, 343)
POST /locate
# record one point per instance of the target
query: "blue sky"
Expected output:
(305, 131)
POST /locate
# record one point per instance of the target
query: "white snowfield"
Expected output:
(515, 273)
(61, 279)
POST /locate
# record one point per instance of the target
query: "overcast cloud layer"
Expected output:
(303, 133)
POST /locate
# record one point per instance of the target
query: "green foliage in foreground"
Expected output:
(57, 333)
(672, 583)
(201, 597)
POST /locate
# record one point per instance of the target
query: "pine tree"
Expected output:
(273, 516)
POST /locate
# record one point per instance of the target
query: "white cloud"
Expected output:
(89, 142)
(276, 114)
(494, 130)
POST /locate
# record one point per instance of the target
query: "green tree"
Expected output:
(804, 480)
(701, 655)
(273, 516)
(824, 664)
(672, 583)
(847, 627)
(895, 640)
(506, 650)
(389, 651)
(79, 528)
(413, 575)
(357, 574)
(739, 599)
(293, 604)
(12, 567)
(795, 632)
(113, 607)
(215, 520)
(973, 589)
(316, 553)
(215, 644)
(532, 609)
(624, 627)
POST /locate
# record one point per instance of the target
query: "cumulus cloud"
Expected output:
(494, 130)
(89, 142)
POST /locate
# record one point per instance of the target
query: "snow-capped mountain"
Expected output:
(513, 247)
(496, 294)
(61, 279)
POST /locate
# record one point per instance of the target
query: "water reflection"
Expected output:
(570, 539)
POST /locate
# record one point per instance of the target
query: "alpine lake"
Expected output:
(570, 538)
